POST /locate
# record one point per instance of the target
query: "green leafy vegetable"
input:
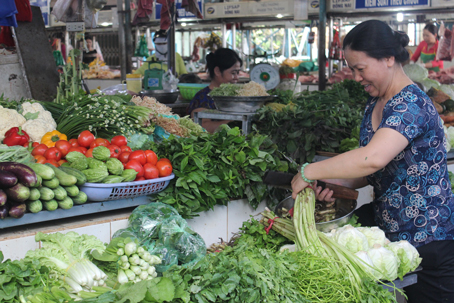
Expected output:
(226, 89)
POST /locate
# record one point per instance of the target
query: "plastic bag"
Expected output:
(444, 44)
(67, 11)
(146, 220)
(164, 232)
(175, 233)
(91, 17)
(169, 81)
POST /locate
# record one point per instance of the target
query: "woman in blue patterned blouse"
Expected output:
(402, 155)
(224, 67)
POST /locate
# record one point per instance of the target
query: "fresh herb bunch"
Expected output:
(240, 274)
(226, 89)
(253, 230)
(318, 121)
(216, 168)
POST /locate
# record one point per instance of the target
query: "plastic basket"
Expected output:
(97, 192)
(188, 90)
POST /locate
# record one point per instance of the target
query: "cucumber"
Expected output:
(47, 194)
(34, 206)
(64, 178)
(66, 203)
(60, 193)
(34, 194)
(81, 178)
(50, 205)
(39, 182)
(81, 198)
(113, 179)
(42, 170)
(18, 193)
(72, 191)
(24, 174)
(54, 183)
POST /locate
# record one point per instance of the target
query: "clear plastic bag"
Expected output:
(444, 44)
(67, 11)
(164, 232)
(169, 81)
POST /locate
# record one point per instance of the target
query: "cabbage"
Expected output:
(385, 261)
(368, 264)
(416, 72)
(351, 238)
(428, 83)
(450, 134)
(448, 90)
(374, 235)
(407, 254)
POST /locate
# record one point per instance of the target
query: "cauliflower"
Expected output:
(43, 114)
(9, 118)
(37, 128)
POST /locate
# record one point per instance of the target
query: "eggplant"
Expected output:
(24, 174)
(3, 197)
(7, 179)
(18, 193)
(17, 210)
(3, 211)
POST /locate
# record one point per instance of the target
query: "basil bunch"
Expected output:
(216, 168)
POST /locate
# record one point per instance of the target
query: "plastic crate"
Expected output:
(97, 192)
(188, 90)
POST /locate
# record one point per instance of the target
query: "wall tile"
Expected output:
(211, 225)
(15, 249)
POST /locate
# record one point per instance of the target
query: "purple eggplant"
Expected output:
(24, 174)
(3, 198)
(18, 193)
(3, 211)
(7, 179)
(17, 210)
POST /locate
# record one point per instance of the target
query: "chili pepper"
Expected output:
(16, 136)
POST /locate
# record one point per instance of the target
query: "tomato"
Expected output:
(119, 141)
(62, 161)
(83, 149)
(39, 150)
(165, 159)
(165, 169)
(99, 142)
(124, 157)
(89, 153)
(139, 179)
(26, 145)
(63, 146)
(135, 165)
(151, 157)
(138, 155)
(74, 142)
(40, 159)
(53, 162)
(125, 148)
(35, 144)
(85, 138)
(150, 171)
(76, 149)
(114, 151)
(53, 153)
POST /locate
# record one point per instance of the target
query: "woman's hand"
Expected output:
(324, 195)
(298, 184)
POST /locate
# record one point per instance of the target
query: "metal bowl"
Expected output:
(344, 212)
(240, 104)
(163, 96)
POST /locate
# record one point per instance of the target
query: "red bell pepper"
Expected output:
(16, 136)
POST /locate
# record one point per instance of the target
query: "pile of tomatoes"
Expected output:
(145, 162)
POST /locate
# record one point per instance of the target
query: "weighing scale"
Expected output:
(152, 77)
(265, 75)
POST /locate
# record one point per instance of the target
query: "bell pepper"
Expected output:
(16, 136)
(50, 138)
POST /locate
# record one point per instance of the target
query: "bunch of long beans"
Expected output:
(103, 116)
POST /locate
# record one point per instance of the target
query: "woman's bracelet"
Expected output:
(302, 173)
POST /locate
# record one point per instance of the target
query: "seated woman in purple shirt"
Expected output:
(224, 67)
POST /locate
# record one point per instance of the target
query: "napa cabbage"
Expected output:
(416, 72)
